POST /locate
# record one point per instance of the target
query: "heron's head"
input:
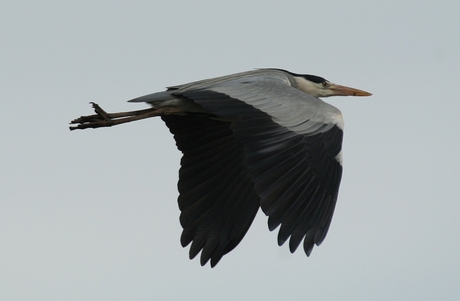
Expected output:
(320, 87)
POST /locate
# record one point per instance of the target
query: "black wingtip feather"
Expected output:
(308, 242)
(187, 236)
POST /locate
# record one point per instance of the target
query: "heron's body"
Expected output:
(257, 139)
(265, 89)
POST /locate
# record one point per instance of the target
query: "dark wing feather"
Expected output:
(217, 197)
(297, 176)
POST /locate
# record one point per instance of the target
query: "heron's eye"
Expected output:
(325, 84)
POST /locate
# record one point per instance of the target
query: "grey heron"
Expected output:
(256, 139)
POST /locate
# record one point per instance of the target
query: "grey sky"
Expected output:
(92, 215)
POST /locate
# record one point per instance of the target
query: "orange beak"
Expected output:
(347, 91)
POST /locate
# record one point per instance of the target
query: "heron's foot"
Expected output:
(104, 119)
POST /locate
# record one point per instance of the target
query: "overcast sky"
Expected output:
(93, 215)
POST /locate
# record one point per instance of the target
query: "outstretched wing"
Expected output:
(292, 147)
(296, 176)
(217, 197)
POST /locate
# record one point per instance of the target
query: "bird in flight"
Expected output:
(250, 140)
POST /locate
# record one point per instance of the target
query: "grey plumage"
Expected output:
(272, 91)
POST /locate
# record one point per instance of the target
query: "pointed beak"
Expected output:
(347, 91)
